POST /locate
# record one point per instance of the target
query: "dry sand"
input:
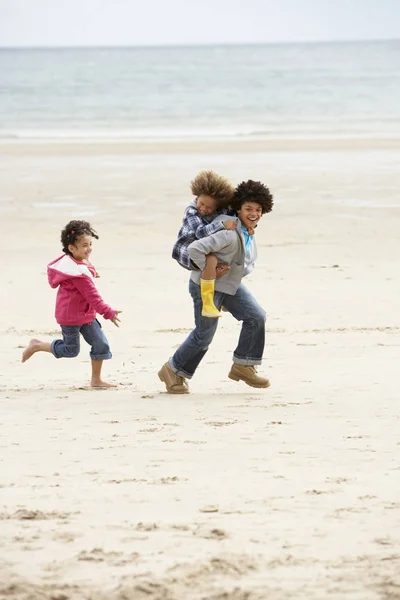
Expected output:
(230, 493)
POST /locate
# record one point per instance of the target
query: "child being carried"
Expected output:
(213, 197)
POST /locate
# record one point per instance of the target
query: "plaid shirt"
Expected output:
(193, 228)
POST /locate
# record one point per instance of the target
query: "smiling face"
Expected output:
(206, 205)
(249, 214)
(82, 248)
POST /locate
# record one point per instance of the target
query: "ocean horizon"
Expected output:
(198, 45)
(247, 91)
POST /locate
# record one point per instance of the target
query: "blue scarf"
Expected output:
(247, 239)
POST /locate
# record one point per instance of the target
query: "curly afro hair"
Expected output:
(208, 183)
(74, 230)
(252, 191)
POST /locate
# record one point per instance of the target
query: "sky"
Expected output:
(176, 22)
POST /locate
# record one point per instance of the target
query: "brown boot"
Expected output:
(248, 374)
(173, 382)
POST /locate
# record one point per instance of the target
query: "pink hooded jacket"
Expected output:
(78, 300)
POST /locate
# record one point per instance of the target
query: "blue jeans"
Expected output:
(244, 308)
(92, 333)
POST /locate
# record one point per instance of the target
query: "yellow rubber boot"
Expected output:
(207, 287)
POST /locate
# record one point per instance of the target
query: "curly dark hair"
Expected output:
(252, 191)
(208, 183)
(72, 231)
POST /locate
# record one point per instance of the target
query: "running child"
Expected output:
(77, 303)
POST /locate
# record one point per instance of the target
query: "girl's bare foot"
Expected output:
(32, 347)
(98, 383)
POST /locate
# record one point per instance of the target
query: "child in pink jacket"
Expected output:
(77, 303)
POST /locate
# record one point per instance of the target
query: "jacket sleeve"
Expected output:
(88, 290)
(221, 240)
(194, 224)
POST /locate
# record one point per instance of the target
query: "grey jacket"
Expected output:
(228, 247)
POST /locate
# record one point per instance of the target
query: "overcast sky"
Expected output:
(158, 22)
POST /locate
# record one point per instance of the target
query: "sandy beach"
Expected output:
(230, 493)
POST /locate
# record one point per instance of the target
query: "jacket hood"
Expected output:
(64, 268)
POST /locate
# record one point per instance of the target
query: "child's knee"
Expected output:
(65, 349)
(104, 348)
(69, 346)
(71, 351)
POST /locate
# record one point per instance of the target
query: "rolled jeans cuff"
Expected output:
(52, 349)
(179, 372)
(100, 356)
(247, 362)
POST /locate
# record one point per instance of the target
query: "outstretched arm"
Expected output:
(88, 290)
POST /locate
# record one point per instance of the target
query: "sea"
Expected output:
(306, 90)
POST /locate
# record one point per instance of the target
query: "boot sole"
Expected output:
(254, 385)
(186, 391)
(203, 314)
